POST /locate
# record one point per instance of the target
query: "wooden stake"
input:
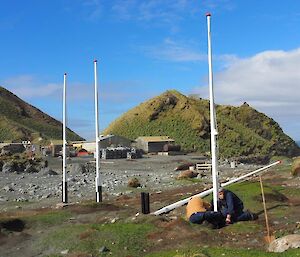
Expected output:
(268, 238)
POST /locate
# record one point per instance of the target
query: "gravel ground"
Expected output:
(155, 173)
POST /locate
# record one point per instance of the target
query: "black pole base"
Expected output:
(65, 193)
(99, 194)
(145, 202)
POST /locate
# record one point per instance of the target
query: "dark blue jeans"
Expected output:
(215, 218)
(244, 216)
(197, 217)
(239, 215)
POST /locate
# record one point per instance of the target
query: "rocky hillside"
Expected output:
(243, 131)
(22, 121)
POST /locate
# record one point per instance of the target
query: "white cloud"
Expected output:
(166, 11)
(92, 9)
(124, 9)
(269, 81)
(152, 10)
(218, 4)
(173, 51)
(31, 87)
(27, 86)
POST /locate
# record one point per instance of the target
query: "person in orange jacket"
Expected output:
(198, 211)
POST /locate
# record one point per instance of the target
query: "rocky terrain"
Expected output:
(155, 173)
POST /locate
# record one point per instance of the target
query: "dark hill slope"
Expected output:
(22, 121)
(242, 130)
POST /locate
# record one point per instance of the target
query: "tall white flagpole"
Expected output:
(97, 179)
(64, 182)
(213, 121)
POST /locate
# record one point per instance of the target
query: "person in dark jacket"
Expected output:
(232, 207)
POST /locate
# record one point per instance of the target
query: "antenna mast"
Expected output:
(64, 182)
(97, 179)
(213, 121)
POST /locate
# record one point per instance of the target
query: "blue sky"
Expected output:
(147, 47)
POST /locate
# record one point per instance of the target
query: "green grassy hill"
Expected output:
(21, 121)
(243, 131)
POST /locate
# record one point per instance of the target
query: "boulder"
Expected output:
(19, 167)
(8, 188)
(12, 149)
(184, 166)
(30, 169)
(44, 164)
(47, 171)
(77, 168)
(296, 167)
(103, 249)
(5, 152)
(187, 174)
(9, 167)
(284, 243)
(134, 182)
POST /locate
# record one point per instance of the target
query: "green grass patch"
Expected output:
(279, 212)
(219, 252)
(243, 227)
(290, 192)
(123, 239)
(48, 219)
(250, 194)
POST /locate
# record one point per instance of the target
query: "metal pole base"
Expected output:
(65, 193)
(99, 194)
(145, 203)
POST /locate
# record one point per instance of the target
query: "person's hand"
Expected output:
(228, 219)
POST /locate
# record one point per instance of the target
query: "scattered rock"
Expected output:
(47, 171)
(72, 180)
(61, 205)
(46, 196)
(184, 166)
(104, 249)
(284, 243)
(30, 169)
(77, 168)
(64, 252)
(21, 199)
(44, 164)
(8, 189)
(114, 220)
(9, 167)
(187, 174)
(134, 182)
(12, 149)
(3, 199)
